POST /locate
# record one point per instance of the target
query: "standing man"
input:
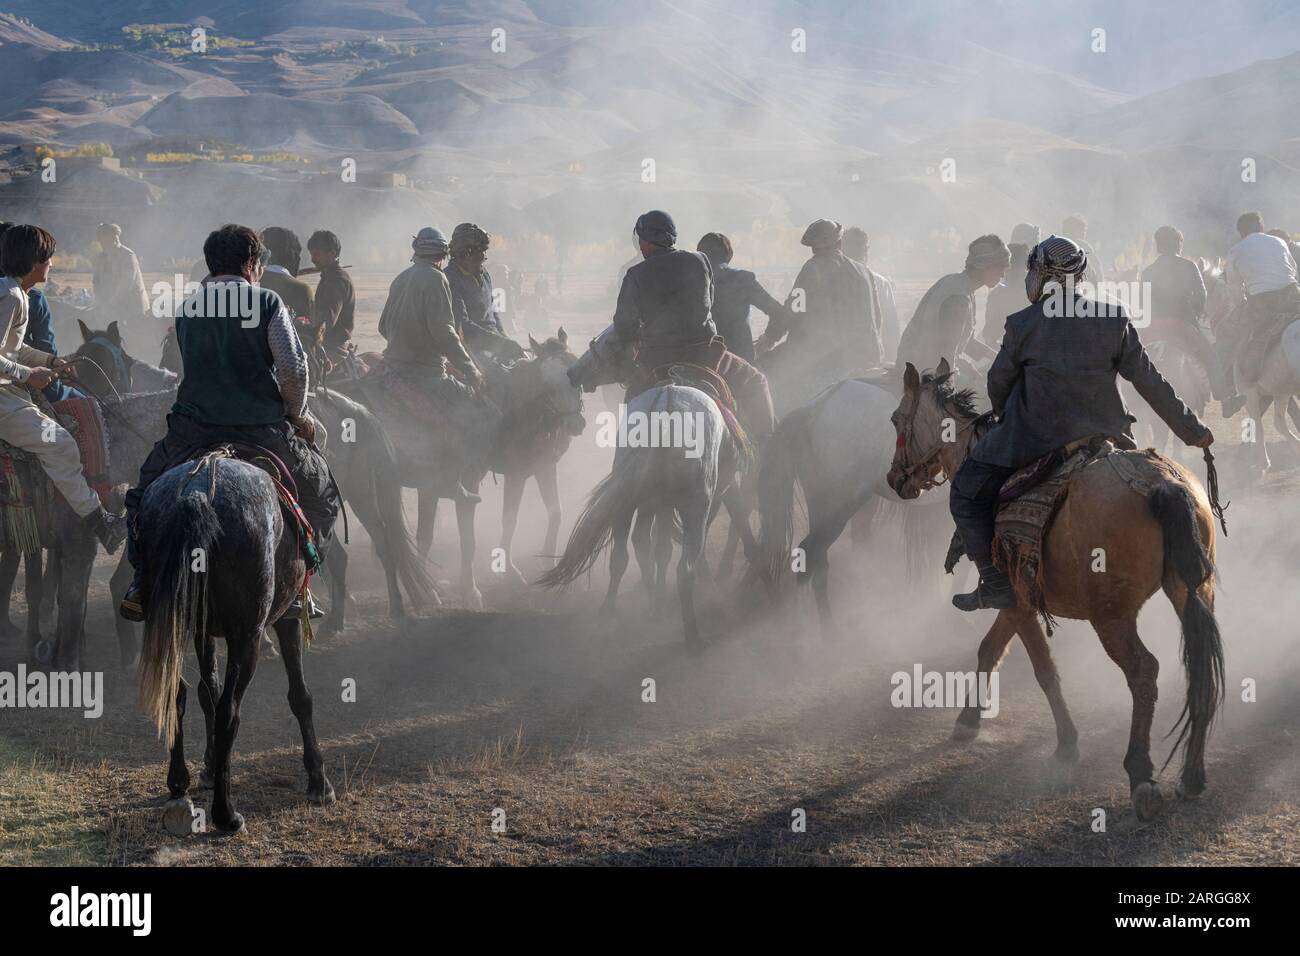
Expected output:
(1053, 383)
(857, 246)
(334, 313)
(734, 292)
(943, 325)
(25, 254)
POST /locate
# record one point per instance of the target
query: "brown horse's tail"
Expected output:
(1188, 562)
(776, 499)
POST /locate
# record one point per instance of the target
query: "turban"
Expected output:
(429, 243)
(657, 228)
(822, 234)
(987, 251)
(1055, 259)
(467, 239)
(1027, 234)
(112, 227)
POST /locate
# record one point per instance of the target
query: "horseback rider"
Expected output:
(943, 325)
(245, 382)
(1008, 296)
(1261, 266)
(334, 314)
(419, 325)
(857, 246)
(838, 331)
(663, 311)
(283, 262)
(1052, 384)
(735, 291)
(1178, 303)
(25, 254)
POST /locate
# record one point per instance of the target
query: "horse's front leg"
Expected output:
(465, 524)
(512, 495)
(992, 649)
(426, 517)
(289, 632)
(128, 646)
(549, 486)
(9, 561)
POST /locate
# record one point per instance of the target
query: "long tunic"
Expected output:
(943, 324)
(840, 310)
(418, 322)
(119, 285)
(735, 291)
(665, 300)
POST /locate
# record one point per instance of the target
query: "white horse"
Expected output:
(1278, 382)
(653, 482)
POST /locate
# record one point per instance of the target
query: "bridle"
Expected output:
(923, 464)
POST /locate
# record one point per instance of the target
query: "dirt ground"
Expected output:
(536, 707)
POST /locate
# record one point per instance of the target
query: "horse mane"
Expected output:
(959, 401)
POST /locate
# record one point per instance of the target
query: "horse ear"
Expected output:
(86, 334)
(114, 333)
(562, 336)
(942, 370)
(533, 344)
(911, 379)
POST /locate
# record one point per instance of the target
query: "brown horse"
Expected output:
(1163, 540)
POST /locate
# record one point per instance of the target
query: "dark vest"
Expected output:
(229, 375)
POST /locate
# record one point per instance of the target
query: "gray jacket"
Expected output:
(1053, 382)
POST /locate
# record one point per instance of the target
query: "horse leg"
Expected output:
(128, 647)
(37, 588)
(617, 560)
(468, 544)
(47, 596)
(512, 495)
(241, 662)
(336, 569)
(178, 774)
(727, 564)
(738, 511)
(695, 516)
(8, 575)
(1281, 422)
(209, 691)
(1040, 655)
(1255, 403)
(642, 532)
(662, 539)
(1119, 636)
(549, 486)
(289, 632)
(72, 581)
(386, 540)
(992, 649)
(426, 516)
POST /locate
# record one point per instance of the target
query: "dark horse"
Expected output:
(364, 461)
(224, 562)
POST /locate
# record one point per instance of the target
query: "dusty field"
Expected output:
(535, 707)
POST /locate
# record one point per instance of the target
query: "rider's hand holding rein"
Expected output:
(39, 378)
(1205, 441)
(305, 428)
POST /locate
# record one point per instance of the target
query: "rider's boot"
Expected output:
(133, 601)
(994, 591)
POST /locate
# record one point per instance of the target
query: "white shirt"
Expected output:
(1261, 263)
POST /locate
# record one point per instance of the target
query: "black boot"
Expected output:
(994, 591)
(132, 606)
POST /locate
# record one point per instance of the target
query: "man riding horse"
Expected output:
(418, 321)
(1051, 385)
(25, 254)
(246, 383)
(664, 308)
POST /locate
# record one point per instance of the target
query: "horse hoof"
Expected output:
(322, 796)
(232, 826)
(1147, 800)
(178, 817)
(1186, 791)
(1067, 754)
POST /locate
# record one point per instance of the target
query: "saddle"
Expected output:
(27, 496)
(708, 381)
(286, 488)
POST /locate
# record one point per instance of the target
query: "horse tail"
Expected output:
(595, 528)
(776, 497)
(1189, 563)
(411, 566)
(177, 607)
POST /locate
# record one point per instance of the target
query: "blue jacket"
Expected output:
(40, 335)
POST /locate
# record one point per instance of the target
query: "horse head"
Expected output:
(102, 363)
(921, 423)
(607, 360)
(559, 393)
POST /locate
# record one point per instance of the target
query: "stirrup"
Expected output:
(132, 606)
